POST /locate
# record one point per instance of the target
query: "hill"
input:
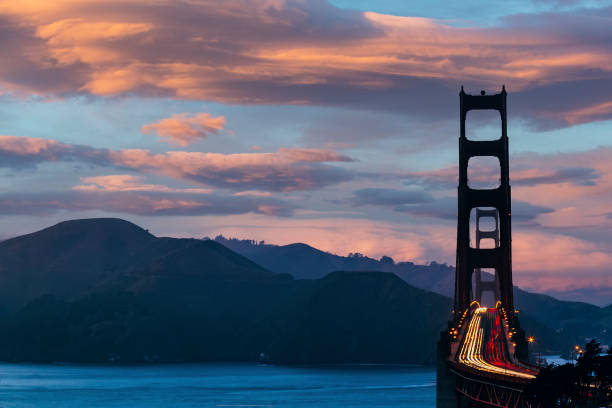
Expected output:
(560, 322)
(76, 257)
(305, 262)
(106, 290)
(376, 320)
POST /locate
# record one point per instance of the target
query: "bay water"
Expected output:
(215, 385)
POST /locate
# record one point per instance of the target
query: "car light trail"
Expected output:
(494, 359)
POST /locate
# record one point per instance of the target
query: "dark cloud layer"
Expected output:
(288, 169)
(446, 208)
(141, 203)
(387, 196)
(542, 171)
(555, 65)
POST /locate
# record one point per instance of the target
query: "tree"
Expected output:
(587, 365)
(555, 386)
(387, 260)
(588, 383)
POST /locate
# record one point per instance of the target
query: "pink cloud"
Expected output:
(567, 195)
(284, 170)
(288, 169)
(312, 155)
(128, 182)
(339, 235)
(29, 146)
(593, 113)
(182, 129)
(253, 193)
(139, 202)
(301, 52)
(547, 261)
(527, 169)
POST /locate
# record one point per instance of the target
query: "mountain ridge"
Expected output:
(102, 290)
(78, 256)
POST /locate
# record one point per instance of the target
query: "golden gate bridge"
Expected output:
(482, 356)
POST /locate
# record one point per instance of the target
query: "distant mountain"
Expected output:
(600, 295)
(539, 313)
(305, 262)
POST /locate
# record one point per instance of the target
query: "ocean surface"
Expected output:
(215, 385)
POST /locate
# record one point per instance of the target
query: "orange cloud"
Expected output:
(288, 169)
(292, 52)
(139, 202)
(593, 113)
(76, 40)
(285, 170)
(182, 129)
(128, 182)
(538, 251)
(25, 146)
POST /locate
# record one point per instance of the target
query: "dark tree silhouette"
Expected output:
(586, 384)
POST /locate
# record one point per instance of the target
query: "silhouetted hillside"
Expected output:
(140, 298)
(305, 262)
(106, 290)
(558, 321)
(378, 318)
(599, 295)
(67, 258)
(553, 312)
(75, 257)
(358, 317)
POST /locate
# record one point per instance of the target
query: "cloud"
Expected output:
(386, 196)
(551, 260)
(422, 204)
(578, 176)
(563, 194)
(140, 203)
(128, 182)
(592, 113)
(16, 152)
(182, 129)
(550, 106)
(446, 208)
(253, 193)
(308, 52)
(355, 129)
(288, 169)
(527, 169)
(285, 170)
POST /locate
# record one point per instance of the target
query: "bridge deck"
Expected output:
(486, 349)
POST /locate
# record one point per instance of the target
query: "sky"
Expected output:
(333, 123)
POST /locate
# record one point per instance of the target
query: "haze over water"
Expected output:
(215, 385)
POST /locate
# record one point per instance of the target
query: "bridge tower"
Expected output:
(456, 386)
(480, 285)
(497, 199)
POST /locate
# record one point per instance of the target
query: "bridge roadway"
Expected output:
(483, 346)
